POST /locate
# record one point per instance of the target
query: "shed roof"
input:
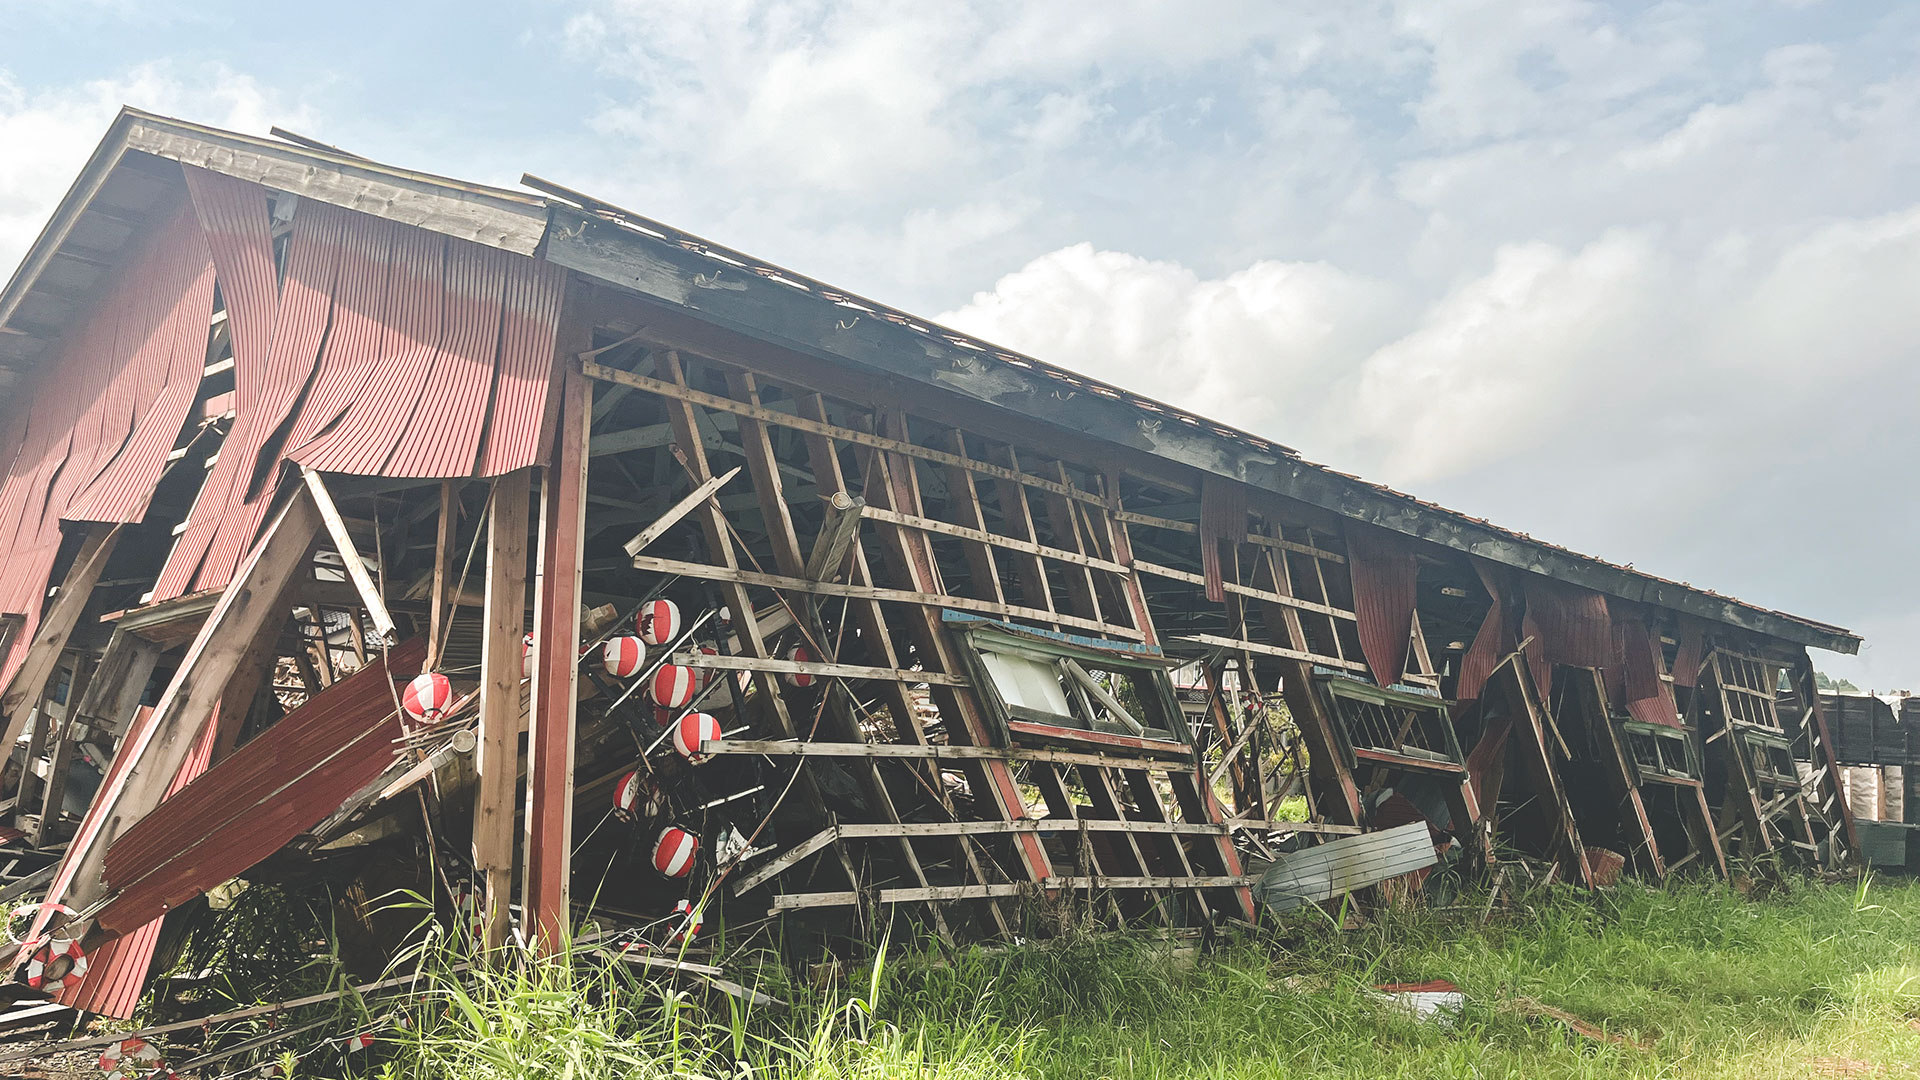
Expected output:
(770, 304)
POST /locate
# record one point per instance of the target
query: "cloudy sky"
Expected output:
(1639, 278)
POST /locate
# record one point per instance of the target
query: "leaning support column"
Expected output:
(50, 637)
(251, 602)
(500, 663)
(556, 669)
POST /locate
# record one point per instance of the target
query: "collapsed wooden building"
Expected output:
(350, 510)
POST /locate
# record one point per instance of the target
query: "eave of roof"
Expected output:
(774, 305)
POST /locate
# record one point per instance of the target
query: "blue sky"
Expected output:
(1636, 278)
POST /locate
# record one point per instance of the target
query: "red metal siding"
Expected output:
(1385, 587)
(1648, 697)
(1489, 645)
(266, 793)
(88, 437)
(1572, 623)
(389, 351)
(117, 971)
(233, 216)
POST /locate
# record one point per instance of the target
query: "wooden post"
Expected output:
(56, 626)
(498, 760)
(442, 552)
(250, 603)
(556, 647)
(59, 753)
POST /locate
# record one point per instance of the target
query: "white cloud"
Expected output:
(1258, 347)
(49, 133)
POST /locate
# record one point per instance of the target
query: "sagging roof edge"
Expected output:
(497, 217)
(787, 310)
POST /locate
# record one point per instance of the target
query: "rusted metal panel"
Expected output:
(374, 421)
(266, 793)
(1385, 588)
(1648, 697)
(1572, 623)
(443, 428)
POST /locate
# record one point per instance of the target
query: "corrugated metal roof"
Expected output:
(264, 794)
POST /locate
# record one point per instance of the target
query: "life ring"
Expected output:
(54, 963)
(129, 1058)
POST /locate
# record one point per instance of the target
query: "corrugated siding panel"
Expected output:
(1343, 865)
(234, 217)
(520, 428)
(1648, 697)
(1690, 653)
(388, 351)
(1490, 642)
(1572, 622)
(90, 433)
(117, 971)
(451, 402)
(167, 338)
(371, 424)
(1223, 517)
(1385, 587)
(266, 793)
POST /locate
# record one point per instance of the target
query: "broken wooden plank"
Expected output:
(383, 625)
(814, 667)
(677, 511)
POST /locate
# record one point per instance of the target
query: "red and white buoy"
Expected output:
(673, 851)
(673, 686)
(693, 730)
(636, 797)
(427, 697)
(129, 1058)
(54, 963)
(703, 676)
(689, 927)
(658, 622)
(623, 656)
(802, 655)
(526, 657)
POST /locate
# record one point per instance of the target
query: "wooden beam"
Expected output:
(938, 752)
(962, 532)
(1261, 648)
(556, 643)
(679, 510)
(1238, 589)
(383, 625)
(821, 668)
(498, 758)
(836, 536)
(49, 639)
(248, 607)
(873, 592)
(832, 431)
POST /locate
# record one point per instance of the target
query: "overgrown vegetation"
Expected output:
(1689, 981)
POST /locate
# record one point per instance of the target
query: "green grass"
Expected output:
(1820, 980)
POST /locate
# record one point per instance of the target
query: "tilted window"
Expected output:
(1032, 677)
